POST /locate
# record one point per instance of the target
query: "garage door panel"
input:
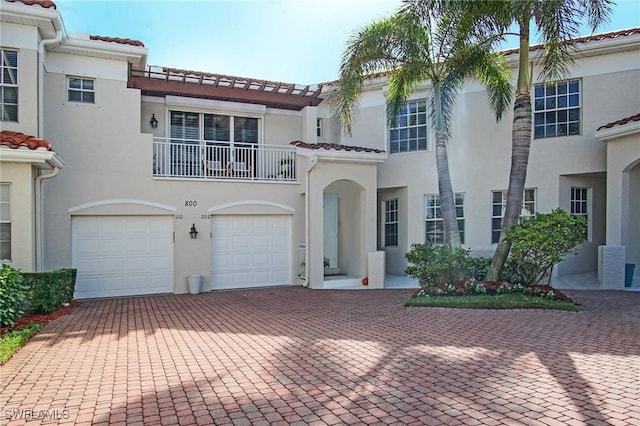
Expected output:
(135, 264)
(241, 243)
(221, 243)
(261, 225)
(121, 256)
(112, 283)
(160, 264)
(241, 260)
(138, 245)
(261, 260)
(243, 250)
(279, 259)
(112, 227)
(88, 246)
(223, 262)
(137, 227)
(261, 243)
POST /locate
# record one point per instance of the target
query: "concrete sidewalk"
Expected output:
(301, 356)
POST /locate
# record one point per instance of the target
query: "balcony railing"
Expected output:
(201, 159)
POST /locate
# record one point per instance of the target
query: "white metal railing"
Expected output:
(203, 159)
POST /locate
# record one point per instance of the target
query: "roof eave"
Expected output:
(617, 132)
(40, 158)
(47, 20)
(135, 55)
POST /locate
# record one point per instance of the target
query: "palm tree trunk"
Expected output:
(445, 188)
(520, 145)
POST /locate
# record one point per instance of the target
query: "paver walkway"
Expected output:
(300, 356)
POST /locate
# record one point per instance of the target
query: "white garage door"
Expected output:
(250, 251)
(122, 255)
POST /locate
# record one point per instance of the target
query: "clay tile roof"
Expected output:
(47, 4)
(620, 122)
(117, 40)
(17, 140)
(335, 147)
(586, 39)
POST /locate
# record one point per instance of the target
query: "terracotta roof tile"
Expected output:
(335, 147)
(581, 40)
(620, 122)
(117, 40)
(17, 140)
(47, 4)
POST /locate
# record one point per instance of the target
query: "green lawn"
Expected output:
(13, 340)
(503, 301)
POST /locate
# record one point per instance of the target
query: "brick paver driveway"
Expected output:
(299, 356)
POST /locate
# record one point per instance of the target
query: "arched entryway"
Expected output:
(343, 209)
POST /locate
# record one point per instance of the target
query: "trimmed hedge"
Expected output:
(50, 290)
(14, 295)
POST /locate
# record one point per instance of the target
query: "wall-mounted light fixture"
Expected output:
(193, 232)
(153, 121)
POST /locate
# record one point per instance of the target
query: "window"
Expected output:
(434, 224)
(391, 222)
(579, 203)
(9, 85)
(81, 90)
(499, 204)
(319, 127)
(410, 131)
(189, 128)
(5, 221)
(557, 109)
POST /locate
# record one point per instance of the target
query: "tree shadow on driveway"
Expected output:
(338, 357)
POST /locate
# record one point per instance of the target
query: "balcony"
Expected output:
(209, 160)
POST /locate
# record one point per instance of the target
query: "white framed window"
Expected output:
(5, 221)
(434, 225)
(391, 222)
(81, 90)
(410, 130)
(557, 109)
(319, 127)
(194, 126)
(9, 85)
(580, 204)
(188, 128)
(499, 204)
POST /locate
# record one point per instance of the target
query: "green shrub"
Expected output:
(510, 272)
(50, 290)
(14, 295)
(541, 241)
(436, 265)
(477, 267)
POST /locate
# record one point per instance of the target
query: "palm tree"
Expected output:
(556, 21)
(421, 42)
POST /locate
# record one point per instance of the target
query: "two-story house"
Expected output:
(140, 176)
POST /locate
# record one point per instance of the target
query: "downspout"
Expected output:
(39, 219)
(39, 240)
(41, 51)
(314, 161)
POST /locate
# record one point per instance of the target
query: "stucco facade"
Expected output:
(266, 176)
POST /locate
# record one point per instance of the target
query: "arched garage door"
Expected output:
(122, 255)
(250, 251)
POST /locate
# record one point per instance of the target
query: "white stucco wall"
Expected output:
(24, 39)
(21, 179)
(479, 154)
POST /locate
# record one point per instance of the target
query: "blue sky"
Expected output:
(294, 41)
